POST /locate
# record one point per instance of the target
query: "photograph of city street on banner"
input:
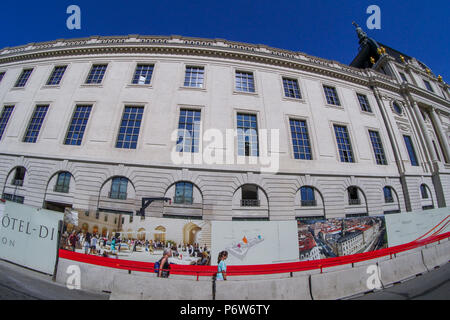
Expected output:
(327, 238)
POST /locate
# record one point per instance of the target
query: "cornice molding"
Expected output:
(186, 46)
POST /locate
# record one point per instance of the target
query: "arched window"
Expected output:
(19, 177)
(119, 186)
(423, 191)
(388, 196)
(63, 182)
(249, 196)
(184, 193)
(308, 198)
(353, 196)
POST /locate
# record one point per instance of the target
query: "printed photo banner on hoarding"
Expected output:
(410, 226)
(255, 242)
(336, 237)
(29, 236)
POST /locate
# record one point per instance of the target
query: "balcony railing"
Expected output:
(354, 201)
(250, 203)
(309, 203)
(59, 188)
(118, 195)
(17, 182)
(388, 199)
(182, 200)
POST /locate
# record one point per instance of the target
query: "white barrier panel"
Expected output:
(345, 283)
(138, 287)
(403, 228)
(281, 289)
(87, 276)
(437, 255)
(255, 242)
(401, 268)
(29, 236)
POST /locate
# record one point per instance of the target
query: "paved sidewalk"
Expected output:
(18, 283)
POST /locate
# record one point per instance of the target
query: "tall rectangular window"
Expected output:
(96, 74)
(377, 147)
(411, 151)
(56, 76)
(143, 74)
(428, 85)
(343, 142)
(247, 132)
(364, 103)
(78, 125)
(129, 127)
(300, 139)
(189, 131)
(291, 88)
(23, 78)
(35, 124)
(194, 77)
(2, 74)
(331, 95)
(4, 118)
(245, 81)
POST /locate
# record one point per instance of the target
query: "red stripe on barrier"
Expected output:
(434, 228)
(249, 269)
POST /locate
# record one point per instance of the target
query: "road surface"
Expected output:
(17, 283)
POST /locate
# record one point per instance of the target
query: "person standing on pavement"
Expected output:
(164, 264)
(222, 267)
(73, 240)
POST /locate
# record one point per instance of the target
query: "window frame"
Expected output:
(183, 77)
(413, 151)
(256, 115)
(42, 124)
(234, 79)
(289, 118)
(377, 132)
(340, 105)
(353, 150)
(358, 95)
(65, 186)
(183, 196)
(121, 119)
(58, 85)
(88, 73)
(133, 74)
(112, 194)
(428, 85)
(16, 84)
(199, 145)
(4, 123)
(91, 105)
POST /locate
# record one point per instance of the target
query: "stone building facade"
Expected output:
(94, 124)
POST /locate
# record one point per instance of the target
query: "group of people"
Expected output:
(162, 267)
(92, 243)
(95, 244)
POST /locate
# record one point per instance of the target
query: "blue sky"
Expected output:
(321, 28)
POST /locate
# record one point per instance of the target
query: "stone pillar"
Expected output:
(423, 128)
(440, 134)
